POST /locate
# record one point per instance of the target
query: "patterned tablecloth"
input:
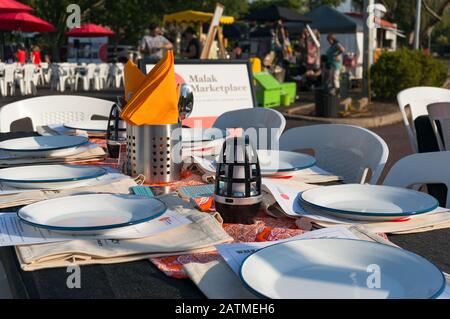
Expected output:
(264, 228)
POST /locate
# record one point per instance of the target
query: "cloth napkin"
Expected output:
(155, 102)
(133, 78)
(87, 152)
(29, 197)
(217, 281)
(200, 236)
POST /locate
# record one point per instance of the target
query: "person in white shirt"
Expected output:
(152, 46)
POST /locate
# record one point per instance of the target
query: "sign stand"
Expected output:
(213, 30)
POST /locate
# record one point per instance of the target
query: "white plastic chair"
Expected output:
(419, 169)
(440, 112)
(62, 75)
(2, 68)
(115, 75)
(46, 72)
(8, 79)
(87, 78)
(418, 98)
(254, 121)
(28, 81)
(344, 150)
(102, 76)
(54, 109)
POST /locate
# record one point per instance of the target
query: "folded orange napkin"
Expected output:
(155, 101)
(133, 78)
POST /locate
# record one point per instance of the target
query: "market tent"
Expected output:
(275, 13)
(90, 30)
(25, 22)
(191, 16)
(13, 6)
(329, 20)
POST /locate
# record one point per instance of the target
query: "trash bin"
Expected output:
(326, 103)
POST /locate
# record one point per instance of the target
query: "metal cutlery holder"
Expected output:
(155, 152)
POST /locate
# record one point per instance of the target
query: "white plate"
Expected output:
(96, 126)
(49, 176)
(340, 269)
(271, 162)
(198, 135)
(368, 202)
(41, 146)
(275, 162)
(91, 214)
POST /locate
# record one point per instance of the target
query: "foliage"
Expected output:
(396, 71)
(300, 5)
(129, 18)
(434, 14)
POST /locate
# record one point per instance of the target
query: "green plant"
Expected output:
(402, 69)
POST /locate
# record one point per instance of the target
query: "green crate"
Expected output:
(289, 88)
(268, 98)
(268, 90)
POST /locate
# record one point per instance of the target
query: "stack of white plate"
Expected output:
(340, 269)
(367, 202)
(272, 162)
(49, 176)
(90, 126)
(195, 137)
(91, 214)
(44, 146)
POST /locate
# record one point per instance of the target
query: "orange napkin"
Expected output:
(155, 102)
(133, 78)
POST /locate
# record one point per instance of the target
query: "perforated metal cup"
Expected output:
(155, 152)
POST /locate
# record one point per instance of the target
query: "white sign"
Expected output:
(218, 88)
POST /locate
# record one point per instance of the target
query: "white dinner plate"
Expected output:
(41, 146)
(367, 202)
(199, 135)
(340, 269)
(95, 126)
(91, 214)
(280, 162)
(49, 176)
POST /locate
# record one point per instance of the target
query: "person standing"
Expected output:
(36, 56)
(21, 55)
(334, 58)
(152, 46)
(192, 49)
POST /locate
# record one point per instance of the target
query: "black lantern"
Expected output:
(116, 133)
(238, 181)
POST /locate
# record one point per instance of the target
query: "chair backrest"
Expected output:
(55, 109)
(9, 72)
(440, 112)
(28, 72)
(103, 70)
(255, 121)
(423, 168)
(417, 98)
(345, 150)
(90, 70)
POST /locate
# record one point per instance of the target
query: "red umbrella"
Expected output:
(25, 22)
(90, 30)
(13, 6)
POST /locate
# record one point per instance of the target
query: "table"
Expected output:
(141, 279)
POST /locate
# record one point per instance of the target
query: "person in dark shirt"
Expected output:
(192, 50)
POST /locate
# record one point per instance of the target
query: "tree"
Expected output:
(55, 12)
(404, 14)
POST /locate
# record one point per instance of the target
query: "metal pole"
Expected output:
(368, 45)
(417, 29)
